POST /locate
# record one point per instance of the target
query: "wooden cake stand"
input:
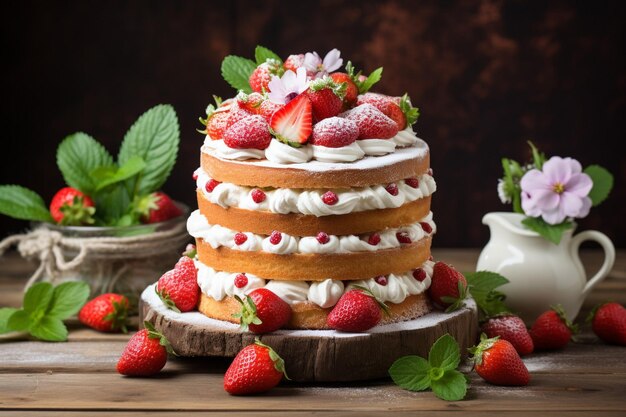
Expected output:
(314, 355)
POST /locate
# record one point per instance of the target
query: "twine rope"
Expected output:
(48, 247)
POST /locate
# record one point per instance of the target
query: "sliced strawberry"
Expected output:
(249, 133)
(334, 132)
(293, 123)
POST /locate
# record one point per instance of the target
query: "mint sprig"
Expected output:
(77, 156)
(44, 308)
(236, 71)
(24, 204)
(482, 285)
(365, 85)
(438, 373)
(262, 54)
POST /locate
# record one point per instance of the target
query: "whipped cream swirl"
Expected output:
(216, 236)
(405, 137)
(287, 200)
(284, 154)
(325, 294)
(377, 147)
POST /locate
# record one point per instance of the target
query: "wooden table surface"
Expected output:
(78, 378)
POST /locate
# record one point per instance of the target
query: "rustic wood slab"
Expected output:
(314, 355)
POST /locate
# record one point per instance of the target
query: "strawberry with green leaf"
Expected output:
(145, 354)
(438, 372)
(498, 363)
(71, 207)
(106, 313)
(178, 288)
(262, 311)
(552, 329)
(448, 288)
(357, 310)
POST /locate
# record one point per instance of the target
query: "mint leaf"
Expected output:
(21, 203)
(482, 285)
(19, 321)
(372, 79)
(539, 158)
(602, 183)
(411, 373)
(262, 54)
(67, 299)
(50, 329)
(154, 137)
(109, 175)
(112, 205)
(551, 232)
(38, 297)
(236, 71)
(452, 386)
(77, 156)
(5, 315)
(444, 353)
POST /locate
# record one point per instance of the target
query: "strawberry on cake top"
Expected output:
(292, 114)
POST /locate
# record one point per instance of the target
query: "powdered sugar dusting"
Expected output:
(419, 150)
(150, 297)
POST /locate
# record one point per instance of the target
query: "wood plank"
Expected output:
(262, 413)
(171, 391)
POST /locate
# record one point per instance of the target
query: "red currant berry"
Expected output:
(240, 238)
(330, 198)
(322, 238)
(412, 182)
(374, 239)
(381, 280)
(403, 237)
(419, 274)
(276, 237)
(210, 186)
(258, 196)
(392, 188)
(426, 227)
(241, 280)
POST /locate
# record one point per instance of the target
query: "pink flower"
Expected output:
(559, 191)
(287, 87)
(318, 67)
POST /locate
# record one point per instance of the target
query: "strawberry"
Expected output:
(511, 328)
(326, 98)
(448, 288)
(552, 330)
(216, 118)
(352, 91)
(256, 368)
(608, 322)
(357, 310)
(293, 62)
(498, 363)
(399, 109)
(262, 74)
(371, 122)
(334, 132)
(262, 311)
(236, 114)
(268, 108)
(145, 354)
(105, 313)
(178, 288)
(293, 123)
(216, 124)
(250, 102)
(157, 207)
(249, 133)
(72, 207)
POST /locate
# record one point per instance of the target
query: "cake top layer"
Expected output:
(307, 113)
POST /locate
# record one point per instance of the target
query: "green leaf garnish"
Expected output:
(539, 158)
(77, 157)
(411, 113)
(482, 285)
(44, 308)
(154, 137)
(551, 232)
(372, 79)
(236, 71)
(439, 373)
(21, 203)
(109, 175)
(262, 54)
(602, 183)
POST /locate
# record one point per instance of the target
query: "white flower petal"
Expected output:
(332, 60)
(311, 61)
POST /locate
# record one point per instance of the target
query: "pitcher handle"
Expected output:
(609, 255)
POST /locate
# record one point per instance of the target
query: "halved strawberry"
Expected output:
(293, 123)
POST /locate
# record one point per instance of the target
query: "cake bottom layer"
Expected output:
(308, 315)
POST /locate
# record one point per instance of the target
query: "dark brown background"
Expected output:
(487, 75)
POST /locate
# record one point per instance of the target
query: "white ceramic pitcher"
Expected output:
(541, 274)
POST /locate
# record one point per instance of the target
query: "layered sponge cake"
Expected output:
(309, 185)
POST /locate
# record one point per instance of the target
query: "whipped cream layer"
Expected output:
(217, 236)
(281, 153)
(220, 284)
(310, 202)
